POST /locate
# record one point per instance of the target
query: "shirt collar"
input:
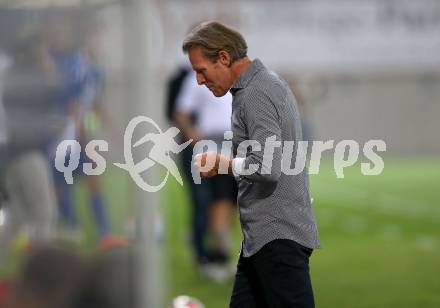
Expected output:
(245, 78)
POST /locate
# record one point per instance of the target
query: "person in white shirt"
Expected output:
(212, 119)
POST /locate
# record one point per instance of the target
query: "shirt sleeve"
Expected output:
(187, 99)
(75, 78)
(263, 125)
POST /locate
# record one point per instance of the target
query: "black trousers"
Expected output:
(276, 276)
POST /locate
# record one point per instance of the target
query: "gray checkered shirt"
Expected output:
(272, 205)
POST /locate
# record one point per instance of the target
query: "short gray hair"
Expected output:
(214, 37)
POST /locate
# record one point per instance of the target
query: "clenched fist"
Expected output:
(211, 163)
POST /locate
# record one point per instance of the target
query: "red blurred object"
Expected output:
(112, 241)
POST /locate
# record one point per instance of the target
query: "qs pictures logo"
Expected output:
(346, 153)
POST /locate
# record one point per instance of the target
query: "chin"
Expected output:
(218, 93)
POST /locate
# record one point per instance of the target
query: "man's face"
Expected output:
(216, 76)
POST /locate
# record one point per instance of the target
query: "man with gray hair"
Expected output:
(276, 217)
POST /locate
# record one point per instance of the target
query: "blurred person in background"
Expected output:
(217, 196)
(51, 277)
(82, 83)
(71, 69)
(29, 96)
(199, 198)
(92, 114)
(277, 221)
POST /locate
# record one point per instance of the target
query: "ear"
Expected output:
(224, 58)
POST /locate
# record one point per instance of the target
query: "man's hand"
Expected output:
(210, 164)
(185, 123)
(193, 134)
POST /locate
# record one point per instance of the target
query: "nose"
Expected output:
(200, 79)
